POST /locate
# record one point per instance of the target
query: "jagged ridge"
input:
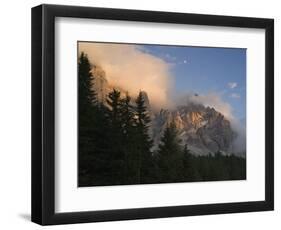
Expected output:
(202, 128)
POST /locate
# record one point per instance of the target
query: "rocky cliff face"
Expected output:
(203, 129)
(102, 86)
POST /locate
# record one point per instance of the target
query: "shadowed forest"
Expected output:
(115, 147)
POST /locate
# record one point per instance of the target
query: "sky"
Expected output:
(207, 70)
(171, 75)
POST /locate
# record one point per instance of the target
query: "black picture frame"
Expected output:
(43, 114)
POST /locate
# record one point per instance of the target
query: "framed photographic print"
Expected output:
(142, 114)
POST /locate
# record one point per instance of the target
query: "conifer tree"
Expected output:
(190, 172)
(128, 139)
(87, 102)
(87, 94)
(114, 114)
(170, 155)
(143, 141)
(93, 128)
(127, 116)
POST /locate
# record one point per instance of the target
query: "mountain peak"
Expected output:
(203, 129)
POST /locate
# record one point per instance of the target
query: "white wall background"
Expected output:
(15, 113)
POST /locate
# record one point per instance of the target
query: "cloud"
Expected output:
(214, 100)
(132, 69)
(239, 144)
(235, 95)
(232, 85)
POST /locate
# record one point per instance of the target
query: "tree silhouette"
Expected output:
(143, 141)
(170, 155)
(128, 139)
(190, 173)
(87, 94)
(114, 114)
(87, 101)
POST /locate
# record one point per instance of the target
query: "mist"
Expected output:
(211, 99)
(216, 101)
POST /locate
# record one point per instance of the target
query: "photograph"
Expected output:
(141, 114)
(150, 113)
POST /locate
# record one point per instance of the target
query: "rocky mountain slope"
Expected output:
(203, 129)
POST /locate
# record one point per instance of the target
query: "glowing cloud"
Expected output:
(132, 69)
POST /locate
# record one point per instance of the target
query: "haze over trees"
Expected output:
(115, 146)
